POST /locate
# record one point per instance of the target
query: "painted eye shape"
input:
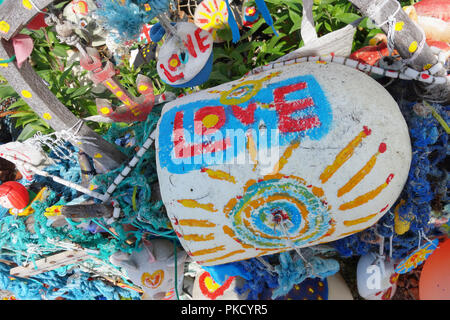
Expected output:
(83, 23)
(184, 57)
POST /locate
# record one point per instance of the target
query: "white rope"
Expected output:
(269, 267)
(133, 162)
(291, 244)
(66, 183)
(425, 237)
(405, 74)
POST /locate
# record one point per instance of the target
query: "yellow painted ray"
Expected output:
(190, 203)
(284, 158)
(344, 155)
(219, 175)
(196, 223)
(362, 173)
(362, 199)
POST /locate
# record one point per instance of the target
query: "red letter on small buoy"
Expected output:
(200, 40)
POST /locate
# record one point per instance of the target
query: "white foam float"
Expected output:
(185, 60)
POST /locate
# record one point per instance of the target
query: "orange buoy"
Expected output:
(434, 281)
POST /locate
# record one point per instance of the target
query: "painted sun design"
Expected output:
(211, 15)
(252, 214)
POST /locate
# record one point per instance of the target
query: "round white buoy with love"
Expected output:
(290, 157)
(185, 60)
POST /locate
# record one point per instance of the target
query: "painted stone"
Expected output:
(376, 281)
(434, 283)
(320, 146)
(153, 268)
(205, 288)
(189, 63)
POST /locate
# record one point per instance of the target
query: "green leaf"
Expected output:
(20, 114)
(65, 74)
(296, 19)
(18, 104)
(60, 5)
(52, 37)
(80, 91)
(7, 91)
(347, 17)
(60, 51)
(253, 29)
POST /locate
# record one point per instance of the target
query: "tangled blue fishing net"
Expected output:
(141, 209)
(128, 16)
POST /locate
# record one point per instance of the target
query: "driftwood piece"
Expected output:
(408, 37)
(15, 15)
(87, 211)
(50, 263)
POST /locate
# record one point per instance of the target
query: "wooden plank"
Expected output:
(50, 263)
(31, 87)
(87, 211)
(15, 15)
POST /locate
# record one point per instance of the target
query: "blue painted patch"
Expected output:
(267, 111)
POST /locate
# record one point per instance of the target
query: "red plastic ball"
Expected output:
(434, 281)
(16, 194)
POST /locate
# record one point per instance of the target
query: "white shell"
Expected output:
(80, 14)
(224, 212)
(211, 15)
